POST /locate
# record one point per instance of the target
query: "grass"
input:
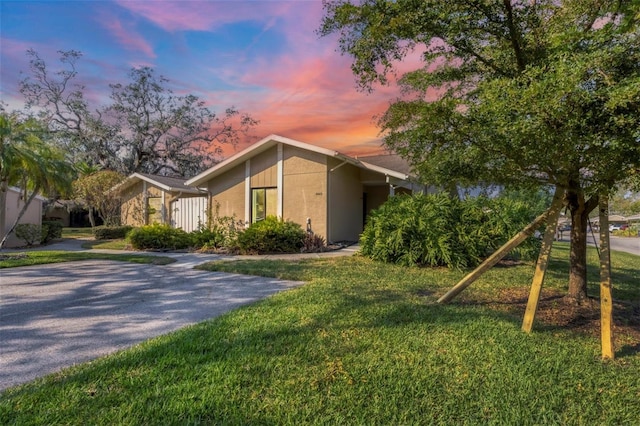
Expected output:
(16, 259)
(360, 343)
(118, 244)
(77, 232)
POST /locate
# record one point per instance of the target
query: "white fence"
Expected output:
(188, 213)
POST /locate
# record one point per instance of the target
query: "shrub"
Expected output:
(51, 230)
(271, 235)
(313, 243)
(436, 230)
(111, 232)
(209, 238)
(30, 233)
(222, 232)
(159, 237)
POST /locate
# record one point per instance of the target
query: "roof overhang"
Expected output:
(134, 178)
(273, 140)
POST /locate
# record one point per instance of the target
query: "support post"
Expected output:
(606, 299)
(541, 269)
(556, 204)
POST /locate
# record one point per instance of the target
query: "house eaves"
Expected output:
(255, 149)
(166, 183)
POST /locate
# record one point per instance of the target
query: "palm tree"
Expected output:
(28, 161)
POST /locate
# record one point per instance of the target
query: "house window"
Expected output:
(264, 202)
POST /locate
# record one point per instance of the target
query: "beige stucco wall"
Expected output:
(305, 188)
(32, 215)
(345, 202)
(132, 205)
(264, 169)
(227, 193)
(132, 209)
(333, 200)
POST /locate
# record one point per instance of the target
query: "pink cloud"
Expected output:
(200, 15)
(128, 37)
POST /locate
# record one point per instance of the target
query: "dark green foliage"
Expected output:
(271, 235)
(29, 232)
(51, 230)
(159, 237)
(209, 238)
(111, 232)
(221, 232)
(436, 230)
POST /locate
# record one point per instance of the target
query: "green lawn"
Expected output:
(15, 259)
(360, 343)
(77, 232)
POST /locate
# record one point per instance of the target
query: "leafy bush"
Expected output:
(111, 232)
(313, 243)
(159, 237)
(51, 230)
(222, 232)
(208, 238)
(271, 235)
(30, 233)
(436, 230)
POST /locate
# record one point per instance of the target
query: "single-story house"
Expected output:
(14, 205)
(323, 190)
(147, 199)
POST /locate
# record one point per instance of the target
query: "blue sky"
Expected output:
(264, 57)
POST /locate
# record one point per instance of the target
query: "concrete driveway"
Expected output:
(54, 316)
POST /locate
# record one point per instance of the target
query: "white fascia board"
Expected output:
(137, 177)
(256, 148)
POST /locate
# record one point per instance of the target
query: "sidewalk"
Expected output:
(189, 259)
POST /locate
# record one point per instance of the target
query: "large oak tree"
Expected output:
(145, 128)
(519, 93)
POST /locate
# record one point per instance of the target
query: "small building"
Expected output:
(147, 199)
(14, 205)
(321, 189)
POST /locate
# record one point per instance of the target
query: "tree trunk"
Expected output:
(4, 188)
(579, 209)
(92, 220)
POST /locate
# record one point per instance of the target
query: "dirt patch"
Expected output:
(557, 312)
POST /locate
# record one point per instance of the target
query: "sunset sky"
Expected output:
(264, 57)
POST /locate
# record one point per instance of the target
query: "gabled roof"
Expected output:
(171, 184)
(389, 162)
(273, 140)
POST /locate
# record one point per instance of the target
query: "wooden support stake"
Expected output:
(514, 242)
(541, 269)
(606, 298)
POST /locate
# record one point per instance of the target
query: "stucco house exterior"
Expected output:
(323, 190)
(12, 208)
(147, 199)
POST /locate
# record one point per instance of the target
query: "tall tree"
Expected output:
(146, 128)
(170, 134)
(523, 94)
(28, 160)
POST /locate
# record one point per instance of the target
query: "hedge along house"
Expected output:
(148, 199)
(322, 190)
